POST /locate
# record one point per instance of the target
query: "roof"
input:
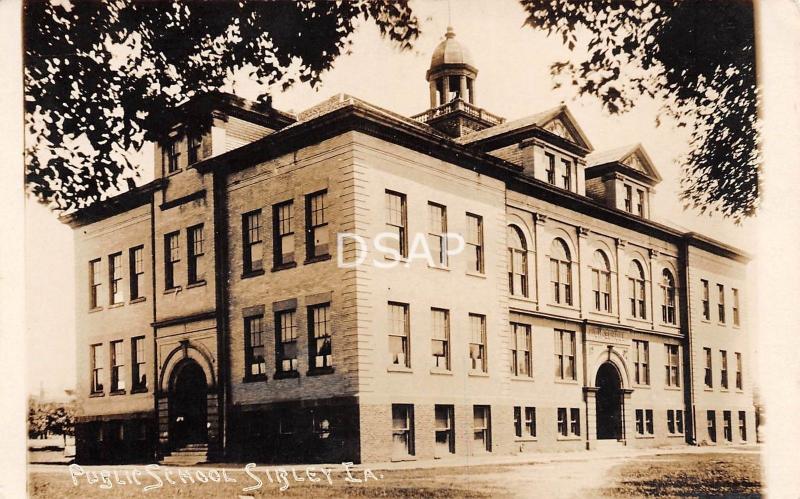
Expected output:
(538, 120)
(631, 159)
(450, 51)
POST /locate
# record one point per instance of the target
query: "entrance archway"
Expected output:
(609, 402)
(188, 404)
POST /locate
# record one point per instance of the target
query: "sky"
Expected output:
(513, 81)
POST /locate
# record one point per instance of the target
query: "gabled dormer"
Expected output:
(550, 146)
(209, 125)
(622, 178)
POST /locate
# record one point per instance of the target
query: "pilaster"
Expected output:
(541, 264)
(621, 302)
(651, 289)
(584, 288)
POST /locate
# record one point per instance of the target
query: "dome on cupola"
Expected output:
(450, 51)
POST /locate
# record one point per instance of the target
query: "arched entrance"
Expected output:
(188, 404)
(609, 402)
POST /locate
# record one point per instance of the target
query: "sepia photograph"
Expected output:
(414, 248)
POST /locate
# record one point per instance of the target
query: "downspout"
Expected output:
(156, 383)
(688, 351)
(221, 292)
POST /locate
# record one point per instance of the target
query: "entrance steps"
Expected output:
(187, 455)
(608, 444)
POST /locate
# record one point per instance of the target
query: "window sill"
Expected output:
(520, 440)
(478, 374)
(675, 435)
(564, 306)
(638, 319)
(116, 305)
(708, 389)
(117, 392)
(174, 290)
(573, 438)
(252, 273)
(97, 394)
(284, 266)
(439, 267)
(174, 172)
(645, 437)
(254, 379)
(392, 258)
(521, 378)
(441, 371)
(644, 387)
(285, 374)
(669, 325)
(196, 284)
(319, 371)
(137, 300)
(315, 259)
(566, 381)
(401, 459)
(707, 321)
(398, 369)
(95, 309)
(474, 273)
(724, 390)
(139, 390)
(722, 324)
(526, 299)
(739, 390)
(603, 313)
(673, 388)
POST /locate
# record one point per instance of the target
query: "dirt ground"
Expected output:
(706, 473)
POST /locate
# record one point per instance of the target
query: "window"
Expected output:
(317, 237)
(97, 361)
(551, 168)
(477, 342)
(445, 430)
(723, 378)
(517, 421)
(115, 278)
(706, 302)
(402, 430)
(563, 426)
(320, 348)
(640, 202)
(172, 256)
(709, 377)
(727, 426)
(601, 282)
(743, 426)
(173, 156)
(671, 366)
(398, 335)
(711, 417)
(117, 366)
(136, 259)
(628, 199)
(517, 262)
(482, 428)
(721, 303)
(521, 351)
(254, 353)
(566, 174)
(644, 421)
(283, 219)
(636, 290)
(440, 342)
(195, 241)
(561, 272)
(679, 421)
(671, 422)
(94, 283)
(138, 364)
(252, 252)
(286, 344)
(575, 422)
(192, 154)
(641, 362)
(437, 228)
(530, 421)
(735, 306)
(668, 297)
(475, 242)
(565, 354)
(396, 222)
(738, 370)
(321, 424)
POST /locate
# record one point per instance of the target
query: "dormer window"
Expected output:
(193, 152)
(173, 154)
(640, 202)
(623, 179)
(566, 174)
(628, 199)
(551, 168)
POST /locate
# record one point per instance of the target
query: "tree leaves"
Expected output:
(695, 55)
(100, 75)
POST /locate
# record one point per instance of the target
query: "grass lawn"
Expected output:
(689, 475)
(430, 483)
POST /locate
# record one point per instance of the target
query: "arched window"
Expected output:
(668, 297)
(517, 262)
(561, 272)
(636, 290)
(601, 282)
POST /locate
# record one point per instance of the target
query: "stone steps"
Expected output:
(187, 455)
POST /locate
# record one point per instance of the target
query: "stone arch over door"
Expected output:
(187, 355)
(610, 356)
